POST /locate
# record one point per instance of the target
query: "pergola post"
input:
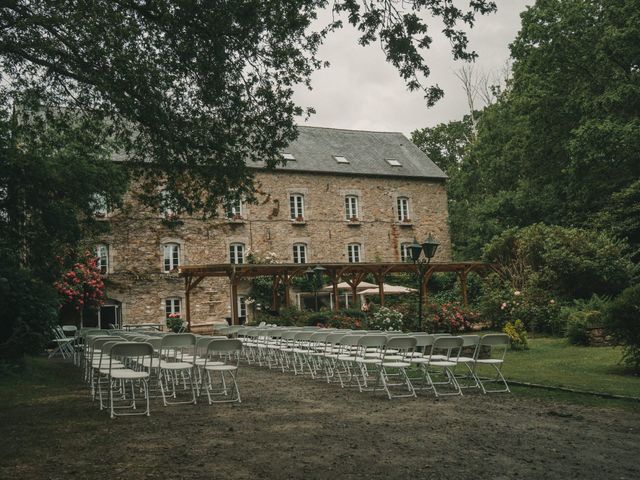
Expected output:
(274, 290)
(286, 281)
(463, 286)
(234, 302)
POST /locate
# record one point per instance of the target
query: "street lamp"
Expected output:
(314, 275)
(421, 254)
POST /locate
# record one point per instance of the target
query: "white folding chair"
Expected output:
(172, 349)
(497, 345)
(128, 353)
(444, 355)
(395, 360)
(223, 358)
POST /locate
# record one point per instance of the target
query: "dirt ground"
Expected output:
(296, 428)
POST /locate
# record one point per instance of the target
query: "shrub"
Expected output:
(517, 334)
(386, 319)
(448, 318)
(30, 309)
(582, 316)
(623, 323)
(174, 322)
(502, 303)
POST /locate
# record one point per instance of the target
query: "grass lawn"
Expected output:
(553, 361)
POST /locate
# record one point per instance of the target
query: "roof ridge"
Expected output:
(348, 129)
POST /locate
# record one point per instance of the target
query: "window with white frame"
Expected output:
(296, 206)
(242, 306)
(173, 306)
(405, 252)
(402, 206)
(351, 207)
(354, 253)
(102, 254)
(99, 205)
(236, 253)
(233, 209)
(171, 256)
(299, 253)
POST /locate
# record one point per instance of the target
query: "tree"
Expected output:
(558, 145)
(202, 92)
(82, 287)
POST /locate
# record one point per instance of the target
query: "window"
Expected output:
(171, 256)
(233, 209)
(405, 252)
(340, 159)
(236, 253)
(102, 254)
(296, 203)
(99, 205)
(403, 209)
(354, 253)
(168, 205)
(242, 306)
(393, 162)
(172, 306)
(288, 156)
(351, 207)
(299, 253)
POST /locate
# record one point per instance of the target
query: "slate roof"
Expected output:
(366, 152)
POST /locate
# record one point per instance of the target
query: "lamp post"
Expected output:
(421, 254)
(314, 275)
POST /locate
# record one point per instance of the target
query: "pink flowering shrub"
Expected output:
(82, 286)
(448, 318)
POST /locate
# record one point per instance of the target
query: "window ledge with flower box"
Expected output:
(407, 222)
(236, 219)
(298, 221)
(353, 222)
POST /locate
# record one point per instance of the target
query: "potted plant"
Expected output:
(299, 219)
(174, 322)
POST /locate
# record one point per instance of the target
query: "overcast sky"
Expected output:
(360, 90)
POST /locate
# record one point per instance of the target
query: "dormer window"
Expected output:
(340, 159)
(289, 157)
(393, 162)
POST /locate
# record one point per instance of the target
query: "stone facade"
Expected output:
(138, 284)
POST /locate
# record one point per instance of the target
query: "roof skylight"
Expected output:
(288, 156)
(393, 162)
(340, 159)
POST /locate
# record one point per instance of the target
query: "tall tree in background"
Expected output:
(560, 145)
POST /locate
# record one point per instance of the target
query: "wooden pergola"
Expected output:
(352, 273)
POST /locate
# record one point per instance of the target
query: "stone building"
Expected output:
(343, 196)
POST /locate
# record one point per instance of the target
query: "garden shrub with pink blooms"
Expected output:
(82, 287)
(448, 317)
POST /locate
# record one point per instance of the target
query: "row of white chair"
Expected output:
(397, 363)
(179, 367)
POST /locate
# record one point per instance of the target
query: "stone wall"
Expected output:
(137, 236)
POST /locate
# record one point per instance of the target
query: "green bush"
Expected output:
(29, 310)
(501, 303)
(582, 316)
(623, 323)
(386, 319)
